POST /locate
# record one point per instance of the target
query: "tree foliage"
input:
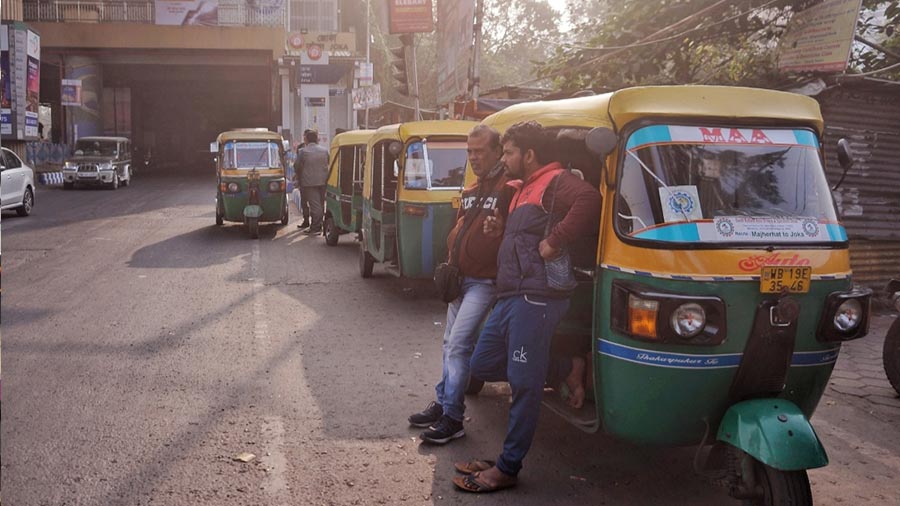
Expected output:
(624, 43)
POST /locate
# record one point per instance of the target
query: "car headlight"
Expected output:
(848, 315)
(688, 319)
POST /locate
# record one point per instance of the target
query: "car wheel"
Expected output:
(127, 181)
(27, 203)
(115, 182)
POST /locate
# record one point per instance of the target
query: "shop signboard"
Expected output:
(5, 84)
(819, 38)
(410, 16)
(71, 92)
(454, 48)
(32, 84)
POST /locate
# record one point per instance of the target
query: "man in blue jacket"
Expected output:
(550, 211)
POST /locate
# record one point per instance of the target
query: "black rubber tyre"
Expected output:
(68, 186)
(332, 234)
(115, 183)
(127, 182)
(781, 488)
(285, 214)
(891, 355)
(474, 386)
(366, 262)
(27, 203)
(253, 227)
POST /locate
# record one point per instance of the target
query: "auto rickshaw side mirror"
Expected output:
(601, 141)
(395, 148)
(286, 145)
(845, 158)
(213, 147)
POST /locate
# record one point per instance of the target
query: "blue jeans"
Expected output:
(514, 346)
(464, 315)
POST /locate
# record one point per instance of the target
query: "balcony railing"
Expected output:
(230, 12)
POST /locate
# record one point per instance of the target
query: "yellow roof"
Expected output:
(618, 108)
(352, 137)
(249, 134)
(404, 131)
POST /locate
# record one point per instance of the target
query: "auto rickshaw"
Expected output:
(891, 355)
(719, 293)
(343, 194)
(411, 187)
(250, 176)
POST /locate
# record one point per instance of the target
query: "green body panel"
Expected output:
(378, 229)
(774, 432)
(333, 208)
(233, 204)
(422, 240)
(668, 405)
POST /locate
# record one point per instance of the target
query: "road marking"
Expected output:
(275, 461)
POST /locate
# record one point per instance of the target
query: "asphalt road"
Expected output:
(145, 349)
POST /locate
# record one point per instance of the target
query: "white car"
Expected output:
(16, 183)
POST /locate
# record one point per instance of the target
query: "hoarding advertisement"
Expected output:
(5, 86)
(187, 12)
(33, 84)
(70, 92)
(410, 16)
(454, 48)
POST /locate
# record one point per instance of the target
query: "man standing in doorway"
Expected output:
(551, 210)
(311, 168)
(476, 256)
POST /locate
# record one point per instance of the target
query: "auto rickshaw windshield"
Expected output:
(434, 165)
(692, 184)
(249, 155)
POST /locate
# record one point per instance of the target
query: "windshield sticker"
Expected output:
(745, 229)
(680, 203)
(662, 134)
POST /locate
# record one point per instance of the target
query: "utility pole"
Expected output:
(476, 48)
(415, 70)
(368, 43)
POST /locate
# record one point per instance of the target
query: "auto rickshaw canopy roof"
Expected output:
(619, 108)
(249, 134)
(405, 131)
(351, 137)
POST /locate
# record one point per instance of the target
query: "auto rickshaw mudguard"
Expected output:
(774, 432)
(253, 211)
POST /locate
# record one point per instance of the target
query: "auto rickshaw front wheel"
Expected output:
(285, 213)
(891, 355)
(764, 485)
(331, 232)
(253, 227)
(366, 262)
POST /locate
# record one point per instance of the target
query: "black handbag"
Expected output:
(448, 278)
(560, 275)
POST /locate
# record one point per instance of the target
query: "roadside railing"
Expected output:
(230, 13)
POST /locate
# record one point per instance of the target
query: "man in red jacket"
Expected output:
(549, 213)
(476, 255)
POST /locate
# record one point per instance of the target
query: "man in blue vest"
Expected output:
(550, 211)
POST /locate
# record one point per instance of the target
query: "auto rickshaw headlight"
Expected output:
(688, 320)
(275, 186)
(848, 315)
(233, 188)
(642, 316)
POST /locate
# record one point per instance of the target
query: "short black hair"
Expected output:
(311, 136)
(531, 135)
(491, 132)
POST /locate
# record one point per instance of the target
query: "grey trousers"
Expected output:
(315, 196)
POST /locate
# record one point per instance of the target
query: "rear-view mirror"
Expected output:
(213, 147)
(395, 148)
(845, 158)
(601, 141)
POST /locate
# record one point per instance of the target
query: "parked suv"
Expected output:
(16, 183)
(103, 161)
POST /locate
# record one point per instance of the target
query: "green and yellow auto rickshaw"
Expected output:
(717, 291)
(250, 178)
(343, 195)
(413, 177)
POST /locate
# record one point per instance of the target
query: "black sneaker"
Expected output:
(428, 417)
(305, 224)
(444, 431)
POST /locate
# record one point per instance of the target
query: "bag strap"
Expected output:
(552, 203)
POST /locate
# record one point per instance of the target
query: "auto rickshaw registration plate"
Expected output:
(785, 279)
